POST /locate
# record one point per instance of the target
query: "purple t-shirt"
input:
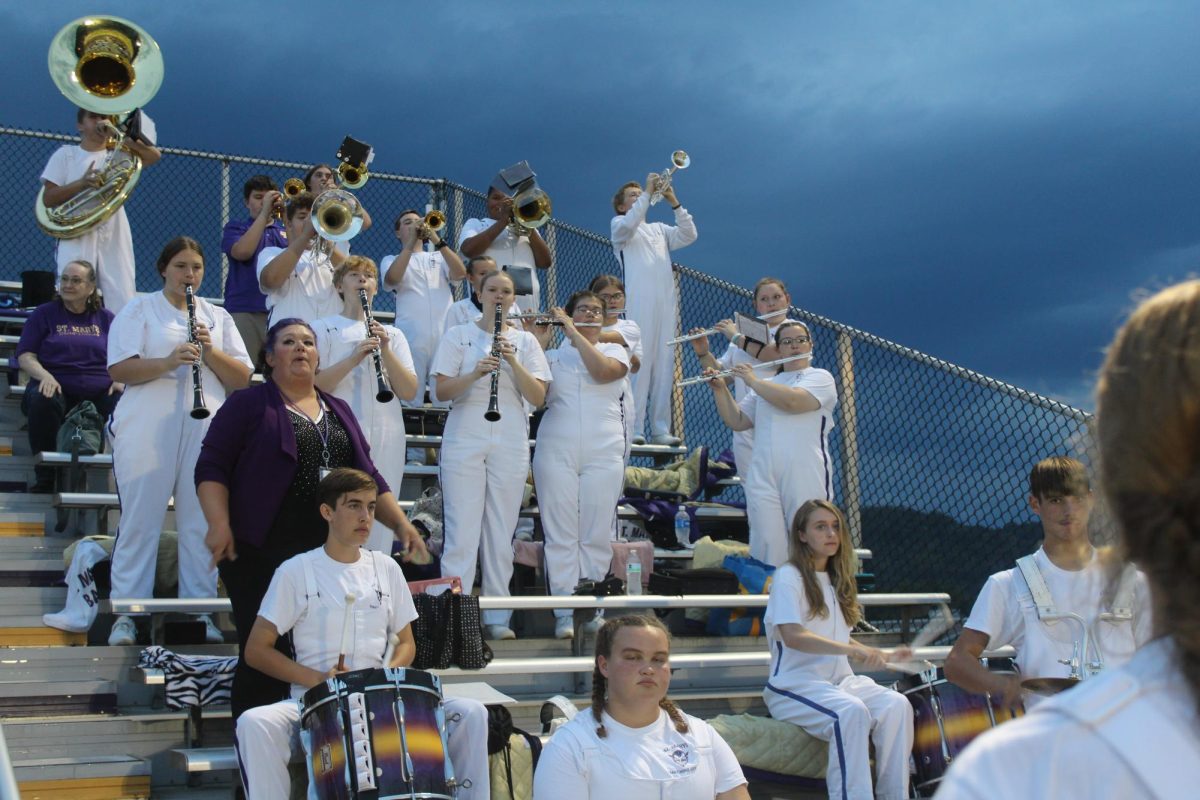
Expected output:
(72, 347)
(241, 284)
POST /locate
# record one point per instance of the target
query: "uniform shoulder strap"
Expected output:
(310, 584)
(1037, 586)
(1121, 605)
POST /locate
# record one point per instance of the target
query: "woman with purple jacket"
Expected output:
(266, 450)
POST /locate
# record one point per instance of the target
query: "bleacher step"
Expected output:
(22, 524)
(84, 778)
(57, 698)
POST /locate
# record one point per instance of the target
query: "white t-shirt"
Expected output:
(1132, 732)
(1005, 612)
(383, 605)
(423, 296)
(464, 311)
(635, 763)
(307, 293)
(788, 604)
(507, 251)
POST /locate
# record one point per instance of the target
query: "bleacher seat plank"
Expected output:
(23, 525)
(127, 787)
(41, 637)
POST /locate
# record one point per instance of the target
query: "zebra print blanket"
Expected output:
(191, 680)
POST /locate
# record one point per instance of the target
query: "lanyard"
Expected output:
(321, 429)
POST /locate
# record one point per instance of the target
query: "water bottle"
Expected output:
(633, 573)
(683, 528)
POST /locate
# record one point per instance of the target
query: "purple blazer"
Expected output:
(250, 448)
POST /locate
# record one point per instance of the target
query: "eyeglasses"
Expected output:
(590, 311)
(71, 280)
(790, 340)
(610, 297)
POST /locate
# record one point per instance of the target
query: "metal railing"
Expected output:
(930, 458)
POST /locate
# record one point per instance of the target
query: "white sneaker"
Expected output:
(564, 628)
(124, 632)
(498, 632)
(639, 440)
(212, 634)
(592, 626)
(666, 439)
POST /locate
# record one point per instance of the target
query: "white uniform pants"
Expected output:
(147, 474)
(654, 382)
(268, 738)
(773, 496)
(109, 248)
(483, 471)
(578, 504)
(845, 715)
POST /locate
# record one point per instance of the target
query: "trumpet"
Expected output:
(351, 176)
(433, 222)
(293, 188)
(725, 373)
(679, 160)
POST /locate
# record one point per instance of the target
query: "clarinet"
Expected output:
(493, 412)
(199, 410)
(383, 393)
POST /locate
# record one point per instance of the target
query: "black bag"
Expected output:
(82, 431)
(425, 421)
(448, 632)
(693, 581)
(37, 287)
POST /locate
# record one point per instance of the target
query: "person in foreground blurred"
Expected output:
(1133, 731)
(635, 744)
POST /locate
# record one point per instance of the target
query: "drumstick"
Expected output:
(393, 640)
(346, 620)
(941, 622)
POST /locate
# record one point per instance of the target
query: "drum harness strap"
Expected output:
(310, 582)
(1119, 607)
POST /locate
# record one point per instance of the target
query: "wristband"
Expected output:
(677, 206)
(442, 243)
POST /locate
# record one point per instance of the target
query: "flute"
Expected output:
(493, 410)
(725, 373)
(383, 394)
(199, 410)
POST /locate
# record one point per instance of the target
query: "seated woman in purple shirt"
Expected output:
(64, 350)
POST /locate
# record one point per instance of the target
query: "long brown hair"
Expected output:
(1148, 425)
(604, 644)
(841, 567)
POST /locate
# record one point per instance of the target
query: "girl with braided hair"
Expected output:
(635, 744)
(811, 610)
(1133, 731)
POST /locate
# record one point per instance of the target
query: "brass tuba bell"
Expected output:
(110, 66)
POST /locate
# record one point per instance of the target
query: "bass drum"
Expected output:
(377, 733)
(946, 718)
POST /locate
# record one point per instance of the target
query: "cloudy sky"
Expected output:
(987, 182)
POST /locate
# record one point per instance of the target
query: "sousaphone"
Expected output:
(109, 66)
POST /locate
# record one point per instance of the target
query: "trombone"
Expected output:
(725, 373)
(679, 160)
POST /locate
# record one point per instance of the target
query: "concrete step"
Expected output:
(98, 776)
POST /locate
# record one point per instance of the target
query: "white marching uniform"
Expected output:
(307, 294)
(109, 246)
(1006, 613)
(791, 461)
(508, 251)
(156, 444)
(423, 298)
(1130, 732)
(822, 695)
(381, 423)
(644, 250)
(632, 334)
(307, 597)
(579, 468)
(649, 763)
(465, 312)
(484, 464)
(743, 441)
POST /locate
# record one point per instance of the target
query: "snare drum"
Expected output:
(377, 733)
(946, 718)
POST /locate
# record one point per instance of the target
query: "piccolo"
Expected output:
(725, 373)
(383, 393)
(199, 410)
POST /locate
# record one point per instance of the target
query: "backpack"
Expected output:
(512, 756)
(82, 431)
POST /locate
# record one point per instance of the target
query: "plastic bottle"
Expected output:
(683, 528)
(633, 574)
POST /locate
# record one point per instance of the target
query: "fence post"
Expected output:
(676, 359)
(851, 493)
(224, 222)
(551, 299)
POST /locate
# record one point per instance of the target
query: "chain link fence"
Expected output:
(931, 460)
